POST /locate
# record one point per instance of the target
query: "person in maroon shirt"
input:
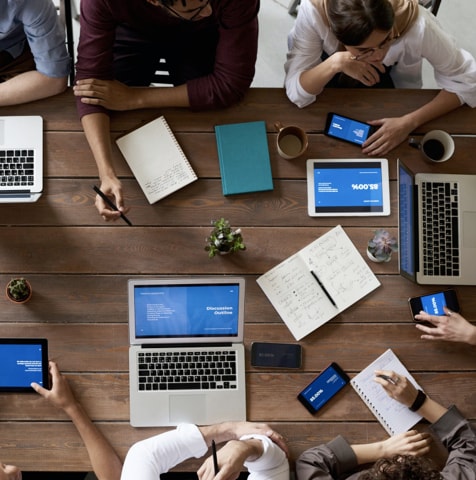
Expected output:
(210, 49)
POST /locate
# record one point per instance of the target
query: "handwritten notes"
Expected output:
(156, 159)
(297, 296)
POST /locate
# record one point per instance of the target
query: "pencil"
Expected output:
(108, 201)
(215, 459)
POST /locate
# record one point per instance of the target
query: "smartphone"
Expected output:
(276, 355)
(433, 303)
(323, 387)
(347, 129)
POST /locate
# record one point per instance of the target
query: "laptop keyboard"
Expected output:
(440, 228)
(16, 168)
(207, 370)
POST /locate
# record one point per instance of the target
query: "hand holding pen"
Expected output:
(109, 202)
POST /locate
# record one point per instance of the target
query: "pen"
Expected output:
(386, 377)
(323, 288)
(215, 460)
(108, 201)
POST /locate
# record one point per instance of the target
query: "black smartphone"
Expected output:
(330, 381)
(433, 303)
(276, 355)
(347, 129)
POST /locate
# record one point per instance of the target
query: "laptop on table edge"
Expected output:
(411, 240)
(191, 315)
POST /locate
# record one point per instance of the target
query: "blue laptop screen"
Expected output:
(186, 310)
(355, 187)
(21, 365)
(406, 222)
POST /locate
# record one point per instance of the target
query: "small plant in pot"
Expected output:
(19, 290)
(381, 246)
(223, 239)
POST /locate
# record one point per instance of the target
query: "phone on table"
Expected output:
(433, 303)
(347, 129)
(327, 384)
(276, 355)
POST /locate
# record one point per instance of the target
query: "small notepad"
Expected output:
(394, 416)
(156, 159)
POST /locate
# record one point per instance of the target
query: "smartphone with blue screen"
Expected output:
(327, 384)
(347, 129)
(433, 303)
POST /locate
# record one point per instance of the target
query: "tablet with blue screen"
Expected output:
(348, 187)
(23, 360)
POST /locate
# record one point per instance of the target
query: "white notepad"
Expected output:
(394, 416)
(156, 159)
(303, 287)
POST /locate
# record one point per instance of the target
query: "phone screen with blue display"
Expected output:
(433, 303)
(347, 129)
(323, 387)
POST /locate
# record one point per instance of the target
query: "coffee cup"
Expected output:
(291, 142)
(436, 146)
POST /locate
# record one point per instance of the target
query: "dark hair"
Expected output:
(352, 21)
(402, 467)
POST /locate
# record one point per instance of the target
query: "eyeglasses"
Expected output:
(196, 11)
(368, 52)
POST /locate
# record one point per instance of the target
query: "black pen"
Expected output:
(323, 288)
(108, 201)
(386, 377)
(215, 459)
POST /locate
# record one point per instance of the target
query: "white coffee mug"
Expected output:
(436, 146)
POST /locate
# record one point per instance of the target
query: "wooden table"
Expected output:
(79, 267)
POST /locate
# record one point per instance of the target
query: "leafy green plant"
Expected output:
(382, 245)
(223, 239)
(19, 289)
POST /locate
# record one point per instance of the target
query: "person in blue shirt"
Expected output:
(34, 62)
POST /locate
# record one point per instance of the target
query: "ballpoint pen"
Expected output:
(386, 377)
(323, 288)
(215, 459)
(110, 204)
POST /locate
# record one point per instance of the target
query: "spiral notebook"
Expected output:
(394, 417)
(156, 159)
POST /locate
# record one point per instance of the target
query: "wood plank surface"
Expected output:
(79, 267)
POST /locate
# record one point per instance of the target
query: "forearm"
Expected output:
(315, 79)
(431, 410)
(369, 452)
(443, 103)
(30, 86)
(104, 460)
(158, 97)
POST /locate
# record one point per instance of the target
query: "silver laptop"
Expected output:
(21, 159)
(437, 227)
(186, 358)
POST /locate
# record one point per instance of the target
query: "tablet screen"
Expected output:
(348, 187)
(23, 361)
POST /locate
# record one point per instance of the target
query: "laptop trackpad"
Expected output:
(187, 408)
(469, 229)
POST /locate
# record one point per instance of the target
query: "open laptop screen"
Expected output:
(186, 310)
(406, 222)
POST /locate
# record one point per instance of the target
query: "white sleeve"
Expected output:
(271, 465)
(148, 459)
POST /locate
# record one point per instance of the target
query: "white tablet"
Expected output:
(348, 187)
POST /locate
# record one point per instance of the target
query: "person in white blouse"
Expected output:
(251, 445)
(365, 41)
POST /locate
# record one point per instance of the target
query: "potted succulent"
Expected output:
(381, 246)
(223, 239)
(19, 290)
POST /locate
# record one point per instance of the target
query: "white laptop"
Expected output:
(21, 159)
(186, 355)
(450, 204)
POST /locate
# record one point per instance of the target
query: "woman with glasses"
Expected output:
(376, 43)
(209, 47)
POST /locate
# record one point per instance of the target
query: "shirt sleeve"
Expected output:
(148, 459)
(459, 438)
(327, 462)
(235, 57)
(46, 38)
(271, 465)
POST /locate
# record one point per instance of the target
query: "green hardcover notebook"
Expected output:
(244, 157)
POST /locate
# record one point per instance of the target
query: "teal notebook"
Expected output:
(244, 157)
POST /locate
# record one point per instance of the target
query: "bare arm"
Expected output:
(104, 460)
(30, 86)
